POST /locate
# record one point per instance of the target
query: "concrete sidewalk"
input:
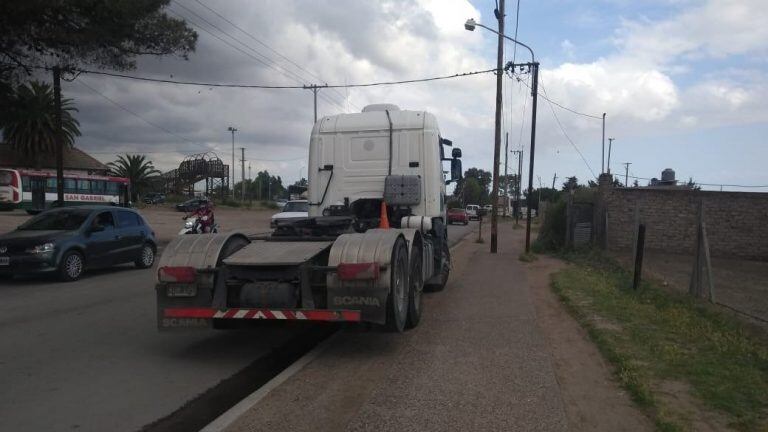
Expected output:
(478, 361)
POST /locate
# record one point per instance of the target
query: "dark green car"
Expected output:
(67, 241)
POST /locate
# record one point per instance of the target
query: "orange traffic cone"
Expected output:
(384, 220)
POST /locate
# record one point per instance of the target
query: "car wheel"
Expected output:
(146, 258)
(71, 267)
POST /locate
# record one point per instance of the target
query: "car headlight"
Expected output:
(43, 248)
(189, 224)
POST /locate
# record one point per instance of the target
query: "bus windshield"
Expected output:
(65, 219)
(6, 178)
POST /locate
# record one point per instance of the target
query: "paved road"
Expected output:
(86, 356)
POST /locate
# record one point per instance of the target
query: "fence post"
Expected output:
(707, 262)
(569, 220)
(639, 256)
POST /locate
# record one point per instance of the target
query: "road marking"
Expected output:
(225, 420)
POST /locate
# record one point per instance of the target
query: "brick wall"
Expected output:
(737, 222)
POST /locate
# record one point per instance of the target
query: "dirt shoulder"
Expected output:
(593, 400)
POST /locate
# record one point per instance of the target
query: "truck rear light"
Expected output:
(176, 274)
(358, 271)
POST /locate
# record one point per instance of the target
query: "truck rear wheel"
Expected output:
(397, 301)
(437, 282)
(416, 286)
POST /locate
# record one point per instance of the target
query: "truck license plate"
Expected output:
(182, 290)
(4, 260)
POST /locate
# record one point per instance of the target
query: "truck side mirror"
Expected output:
(456, 169)
(456, 153)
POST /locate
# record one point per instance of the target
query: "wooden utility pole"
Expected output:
(59, 136)
(554, 179)
(497, 138)
(506, 174)
(242, 174)
(314, 88)
(626, 173)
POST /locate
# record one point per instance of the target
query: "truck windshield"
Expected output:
(67, 220)
(296, 207)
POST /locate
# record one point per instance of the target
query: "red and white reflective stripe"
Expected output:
(268, 314)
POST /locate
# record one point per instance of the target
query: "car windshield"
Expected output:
(67, 220)
(296, 207)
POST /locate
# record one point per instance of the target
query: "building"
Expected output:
(76, 162)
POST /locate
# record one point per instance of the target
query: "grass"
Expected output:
(527, 257)
(653, 336)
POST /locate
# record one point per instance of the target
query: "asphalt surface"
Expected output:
(477, 362)
(86, 356)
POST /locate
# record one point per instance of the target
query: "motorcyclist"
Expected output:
(204, 215)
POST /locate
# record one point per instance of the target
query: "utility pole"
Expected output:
(554, 179)
(314, 88)
(232, 185)
(539, 203)
(506, 174)
(59, 136)
(519, 154)
(250, 182)
(610, 144)
(602, 164)
(242, 174)
(497, 137)
(626, 173)
(535, 93)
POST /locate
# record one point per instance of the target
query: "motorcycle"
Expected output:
(193, 225)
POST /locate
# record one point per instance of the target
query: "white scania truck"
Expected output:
(375, 237)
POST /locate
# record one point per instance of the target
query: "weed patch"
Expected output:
(661, 336)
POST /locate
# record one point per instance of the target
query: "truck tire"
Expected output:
(437, 283)
(416, 286)
(397, 301)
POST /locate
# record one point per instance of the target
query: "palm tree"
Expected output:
(29, 121)
(135, 168)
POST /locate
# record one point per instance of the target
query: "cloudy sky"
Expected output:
(683, 83)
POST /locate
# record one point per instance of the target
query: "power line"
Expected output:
(133, 113)
(559, 105)
(554, 114)
(278, 87)
(287, 73)
(265, 45)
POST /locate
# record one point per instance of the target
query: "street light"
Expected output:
(233, 130)
(534, 68)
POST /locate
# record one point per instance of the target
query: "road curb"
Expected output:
(227, 418)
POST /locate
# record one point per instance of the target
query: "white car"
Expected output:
(295, 209)
(472, 210)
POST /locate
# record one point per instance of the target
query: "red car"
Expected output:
(457, 215)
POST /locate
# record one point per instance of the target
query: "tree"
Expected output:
(28, 122)
(71, 33)
(482, 181)
(137, 169)
(570, 183)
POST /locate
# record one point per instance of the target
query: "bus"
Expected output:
(35, 190)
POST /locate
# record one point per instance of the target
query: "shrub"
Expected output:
(552, 231)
